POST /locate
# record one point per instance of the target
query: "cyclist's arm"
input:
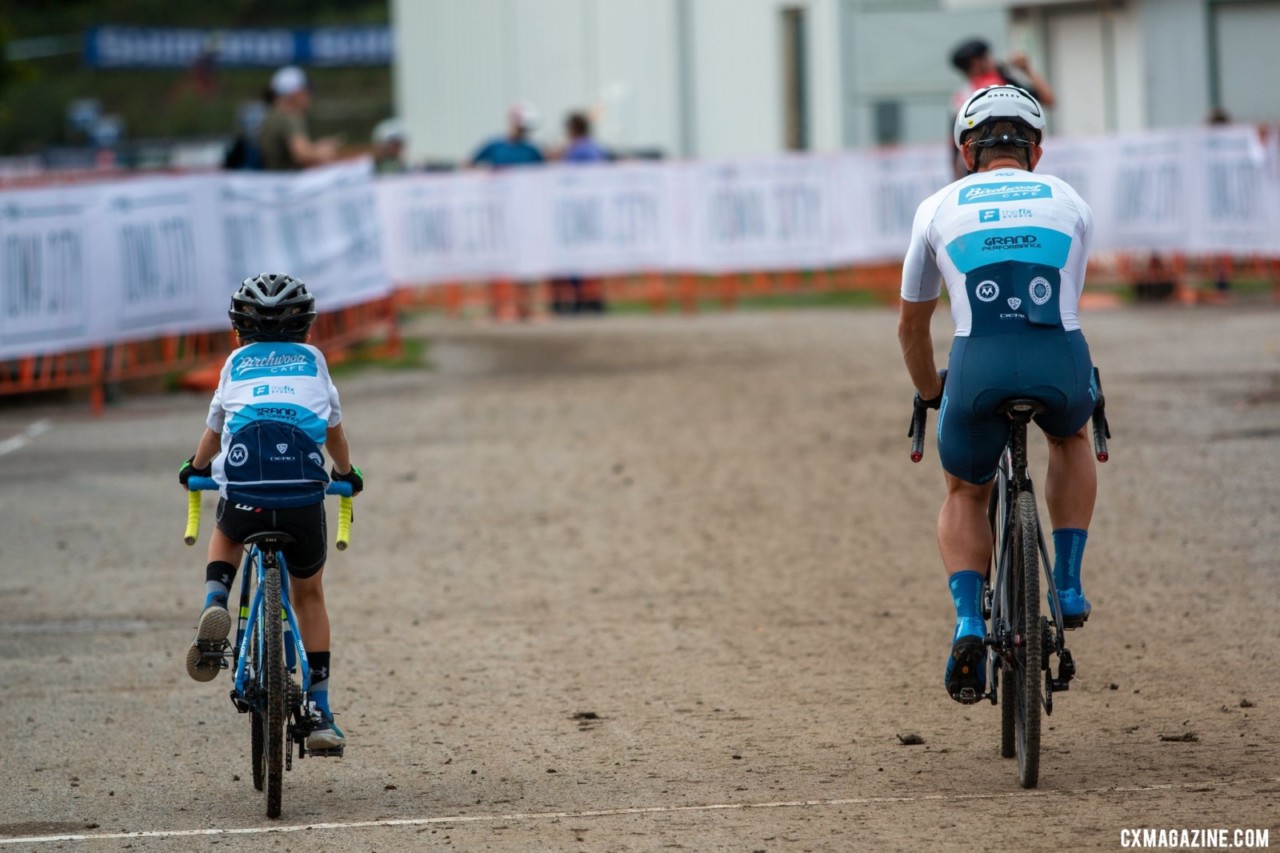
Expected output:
(336, 443)
(921, 288)
(917, 347)
(210, 444)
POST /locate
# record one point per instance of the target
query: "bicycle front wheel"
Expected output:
(275, 680)
(1028, 652)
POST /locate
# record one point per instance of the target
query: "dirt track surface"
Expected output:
(706, 533)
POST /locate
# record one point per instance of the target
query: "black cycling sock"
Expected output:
(218, 577)
(320, 668)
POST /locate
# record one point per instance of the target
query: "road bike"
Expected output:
(1020, 641)
(268, 654)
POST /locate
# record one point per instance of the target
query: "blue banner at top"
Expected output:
(182, 47)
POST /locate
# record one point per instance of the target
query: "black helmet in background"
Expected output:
(272, 307)
(966, 52)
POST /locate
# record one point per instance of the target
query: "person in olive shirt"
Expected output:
(284, 139)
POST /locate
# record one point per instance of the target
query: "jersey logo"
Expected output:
(1011, 191)
(316, 458)
(281, 448)
(987, 291)
(989, 214)
(261, 390)
(1041, 290)
(237, 455)
(265, 361)
(1014, 302)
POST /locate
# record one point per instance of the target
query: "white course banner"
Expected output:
(101, 263)
(322, 226)
(759, 215)
(97, 263)
(48, 298)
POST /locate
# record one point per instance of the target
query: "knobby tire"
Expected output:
(1029, 657)
(275, 678)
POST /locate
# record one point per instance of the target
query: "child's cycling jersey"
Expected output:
(273, 405)
(1011, 246)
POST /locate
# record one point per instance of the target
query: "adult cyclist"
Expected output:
(1012, 248)
(274, 408)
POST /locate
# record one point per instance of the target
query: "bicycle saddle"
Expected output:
(268, 537)
(1021, 407)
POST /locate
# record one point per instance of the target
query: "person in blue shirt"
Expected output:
(514, 149)
(574, 294)
(582, 148)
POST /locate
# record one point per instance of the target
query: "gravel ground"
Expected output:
(658, 583)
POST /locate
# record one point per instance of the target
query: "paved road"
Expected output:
(648, 584)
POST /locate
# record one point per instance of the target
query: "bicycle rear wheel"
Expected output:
(1028, 654)
(275, 680)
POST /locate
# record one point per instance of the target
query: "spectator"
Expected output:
(514, 149)
(973, 59)
(1221, 265)
(574, 294)
(284, 138)
(388, 147)
(582, 147)
(245, 152)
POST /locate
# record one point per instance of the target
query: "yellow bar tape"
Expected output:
(344, 523)
(193, 518)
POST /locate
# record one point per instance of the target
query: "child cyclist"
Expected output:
(274, 407)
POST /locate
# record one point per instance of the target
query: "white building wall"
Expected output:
(1248, 54)
(737, 75)
(1177, 61)
(895, 52)
(461, 63)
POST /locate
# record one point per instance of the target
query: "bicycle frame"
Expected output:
(258, 563)
(1012, 479)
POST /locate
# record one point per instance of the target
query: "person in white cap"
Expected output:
(514, 149)
(388, 146)
(284, 138)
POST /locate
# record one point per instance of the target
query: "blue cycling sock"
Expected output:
(1068, 554)
(966, 594)
(218, 576)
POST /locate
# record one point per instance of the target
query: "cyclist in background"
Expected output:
(274, 408)
(1012, 248)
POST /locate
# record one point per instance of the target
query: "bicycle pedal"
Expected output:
(967, 696)
(1071, 623)
(336, 752)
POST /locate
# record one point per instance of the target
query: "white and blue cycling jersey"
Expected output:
(1011, 246)
(273, 406)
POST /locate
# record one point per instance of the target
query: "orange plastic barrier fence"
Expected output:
(198, 356)
(660, 292)
(1149, 275)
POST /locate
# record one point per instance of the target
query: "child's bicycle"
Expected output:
(1020, 639)
(268, 650)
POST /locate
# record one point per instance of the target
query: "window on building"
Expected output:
(795, 105)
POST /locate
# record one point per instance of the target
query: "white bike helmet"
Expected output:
(996, 103)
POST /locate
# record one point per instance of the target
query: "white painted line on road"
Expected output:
(637, 810)
(20, 440)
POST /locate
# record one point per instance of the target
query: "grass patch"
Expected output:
(413, 355)
(845, 299)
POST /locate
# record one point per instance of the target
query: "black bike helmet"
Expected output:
(966, 52)
(272, 307)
